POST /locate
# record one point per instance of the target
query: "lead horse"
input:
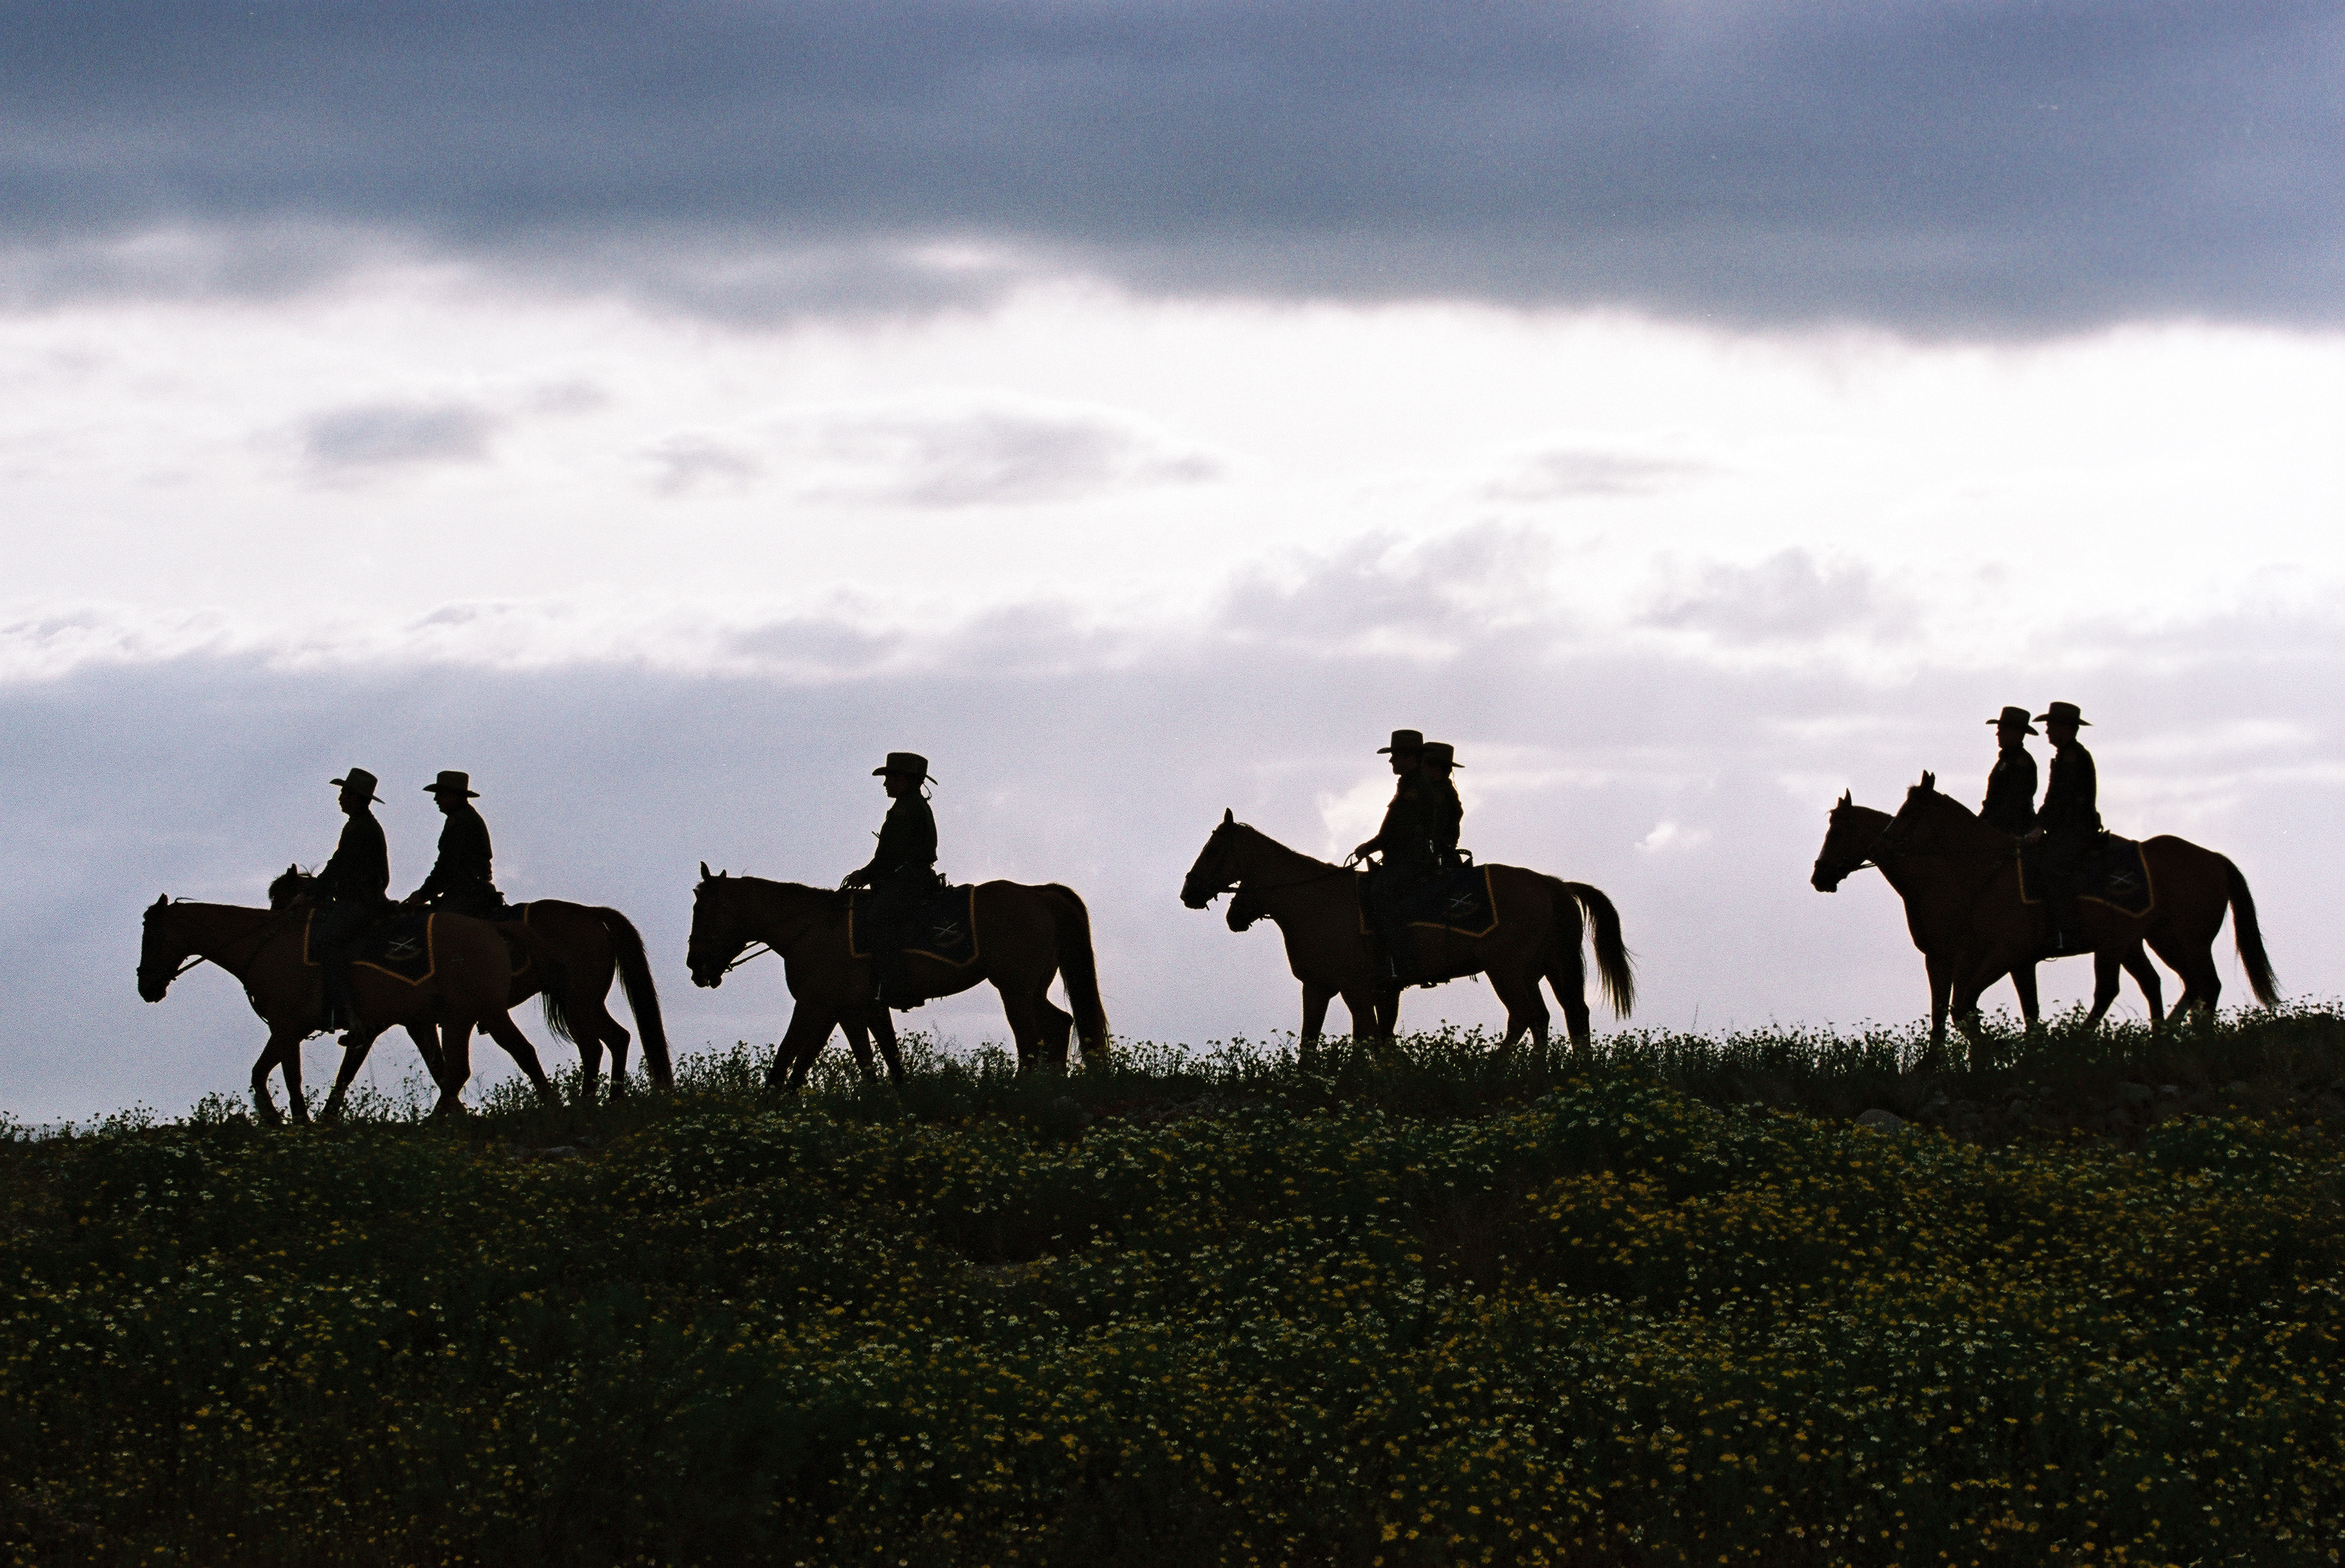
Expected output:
(1026, 937)
(1998, 929)
(1317, 907)
(262, 948)
(1931, 888)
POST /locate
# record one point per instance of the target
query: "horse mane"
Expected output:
(1247, 827)
(767, 884)
(289, 883)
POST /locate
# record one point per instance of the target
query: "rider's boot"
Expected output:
(341, 1012)
(894, 988)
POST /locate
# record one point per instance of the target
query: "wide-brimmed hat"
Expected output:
(450, 779)
(360, 780)
(908, 763)
(2011, 715)
(2067, 712)
(1441, 754)
(1404, 741)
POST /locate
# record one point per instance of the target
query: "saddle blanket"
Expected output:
(1457, 900)
(945, 928)
(400, 947)
(2113, 872)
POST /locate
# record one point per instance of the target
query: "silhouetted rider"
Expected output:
(2010, 803)
(352, 892)
(901, 876)
(2069, 820)
(461, 882)
(1444, 813)
(1404, 844)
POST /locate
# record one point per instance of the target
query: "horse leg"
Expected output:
(615, 1036)
(1368, 1024)
(1941, 982)
(506, 1033)
(2145, 975)
(883, 1030)
(589, 1062)
(427, 1046)
(355, 1047)
(1526, 1010)
(2105, 985)
(2022, 981)
(1315, 1019)
(1570, 988)
(456, 1061)
(282, 1039)
(1026, 1026)
(859, 1044)
(297, 1104)
(800, 1044)
(2202, 982)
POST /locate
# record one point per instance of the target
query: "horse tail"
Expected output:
(2249, 937)
(1613, 964)
(1082, 971)
(643, 996)
(553, 978)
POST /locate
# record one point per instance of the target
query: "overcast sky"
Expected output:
(662, 412)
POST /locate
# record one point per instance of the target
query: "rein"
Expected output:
(256, 942)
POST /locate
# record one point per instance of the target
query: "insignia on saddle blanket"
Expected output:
(1457, 900)
(945, 928)
(400, 947)
(2113, 872)
(403, 945)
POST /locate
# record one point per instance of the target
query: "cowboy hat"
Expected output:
(908, 763)
(450, 779)
(360, 780)
(2065, 712)
(1404, 741)
(1441, 754)
(2012, 716)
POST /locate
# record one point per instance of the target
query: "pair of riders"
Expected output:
(2069, 821)
(353, 890)
(1416, 842)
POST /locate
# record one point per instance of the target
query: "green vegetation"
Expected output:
(1669, 1306)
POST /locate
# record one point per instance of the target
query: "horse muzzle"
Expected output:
(151, 989)
(1196, 894)
(1826, 879)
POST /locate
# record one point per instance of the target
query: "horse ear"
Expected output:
(1847, 797)
(160, 900)
(703, 871)
(1229, 816)
(1929, 781)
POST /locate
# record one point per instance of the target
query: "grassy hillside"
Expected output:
(1667, 1306)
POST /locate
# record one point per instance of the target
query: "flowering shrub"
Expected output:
(1608, 1323)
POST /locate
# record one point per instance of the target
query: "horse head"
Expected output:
(1245, 908)
(719, 929)
(1849, 843)
(163, 947)
(1212, 876)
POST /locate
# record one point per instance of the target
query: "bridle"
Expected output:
(758, 948)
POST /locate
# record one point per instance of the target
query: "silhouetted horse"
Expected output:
(1025, 938)
(1317, 907)
(594, 943)
(1999, 931)
(262, 948)
(1937, 923)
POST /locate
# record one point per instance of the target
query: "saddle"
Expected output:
(1458, 899)
(402, 946)
(405, 945)
(2112, 870)
(943, 928)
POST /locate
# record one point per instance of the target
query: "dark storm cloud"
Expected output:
(1995, 167)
